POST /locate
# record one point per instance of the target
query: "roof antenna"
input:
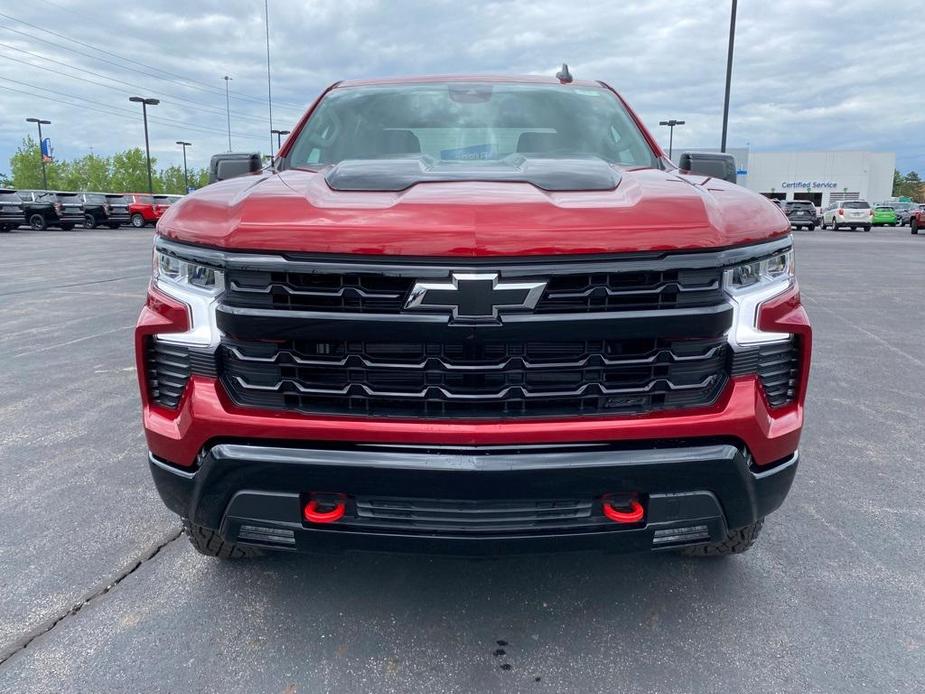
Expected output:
(564, 76)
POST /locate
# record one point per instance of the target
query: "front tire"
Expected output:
(811, 227)
(138, 221)
(210, 543)
(90, 221)
(866, 228)
(37, 222)
(736, 542)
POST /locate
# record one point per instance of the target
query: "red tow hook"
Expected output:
(327, 508)
(635, 514)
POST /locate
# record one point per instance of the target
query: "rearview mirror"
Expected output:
(710, 164)
(232, 165)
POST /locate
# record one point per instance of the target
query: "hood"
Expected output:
(297, 211)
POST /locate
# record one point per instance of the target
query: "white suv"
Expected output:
(847, 213)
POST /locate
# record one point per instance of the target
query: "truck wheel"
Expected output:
(811, 227)
(37, 222)
(211, 544)
(138, 221)
(736, 542)
(914, 225)
(89, 221)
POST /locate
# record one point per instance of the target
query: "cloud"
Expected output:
(808, 75)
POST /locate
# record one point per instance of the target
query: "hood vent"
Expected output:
(547, 173)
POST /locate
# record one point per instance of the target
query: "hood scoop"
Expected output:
(575, 173)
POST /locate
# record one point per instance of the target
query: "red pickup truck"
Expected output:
(473, 315)
(142, 210)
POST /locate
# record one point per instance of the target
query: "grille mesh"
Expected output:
(475, 379)
(777, 366)
(354, 292)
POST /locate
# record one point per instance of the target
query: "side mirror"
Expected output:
(710, 164)
(232, 165)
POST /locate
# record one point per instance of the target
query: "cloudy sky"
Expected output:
(808, 75)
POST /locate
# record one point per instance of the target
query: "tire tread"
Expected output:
(211, 544)
(736, 542)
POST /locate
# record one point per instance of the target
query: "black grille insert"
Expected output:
(567, 292)
(472, 379)
(482, 517)
(168, 368)
(777, 366)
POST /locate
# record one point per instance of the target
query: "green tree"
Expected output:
(130, 171)
(26, 167)
(898, 180)
(90, 172)
(170, 180)
(913, 187)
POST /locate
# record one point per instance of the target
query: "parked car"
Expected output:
(905, 213)
(898, 208)
(163, 202)
(118, 209)
(884, 216)
(11, 214)
(392, 354)
(917, 219)
(45, 209)
(97, 211)
(801, 213)
(142, 210)
(854, 214)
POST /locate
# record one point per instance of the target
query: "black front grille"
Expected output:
(441, 517)
(472, 379)
(777, 366)
(381, 292)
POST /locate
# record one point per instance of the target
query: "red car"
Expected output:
(473, 315)
(143, 209)
(917, 219)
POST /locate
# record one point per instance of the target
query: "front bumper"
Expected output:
(253, 494)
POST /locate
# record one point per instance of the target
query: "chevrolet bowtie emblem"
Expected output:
(475, 296)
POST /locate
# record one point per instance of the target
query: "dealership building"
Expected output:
(821, 177)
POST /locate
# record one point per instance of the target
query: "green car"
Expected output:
(884, 216)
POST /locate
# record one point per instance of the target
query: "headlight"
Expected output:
(198, 286)
(183, 273)
(751, 284)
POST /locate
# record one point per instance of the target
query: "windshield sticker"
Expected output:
(472, 153)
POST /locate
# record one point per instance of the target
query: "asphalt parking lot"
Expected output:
(101, 593)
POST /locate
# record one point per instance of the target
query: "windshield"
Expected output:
(884, 209)
(144, 199)
(857, 205)
(10, 197)
(470, 122)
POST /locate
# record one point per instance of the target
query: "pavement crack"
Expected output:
(49, 625)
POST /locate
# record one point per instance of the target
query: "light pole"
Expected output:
(732, 38)
(266, 11)
(228, 109)
(671, 123)
(184, 145)
(39, 122)
(279, 137)
(144, 112)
